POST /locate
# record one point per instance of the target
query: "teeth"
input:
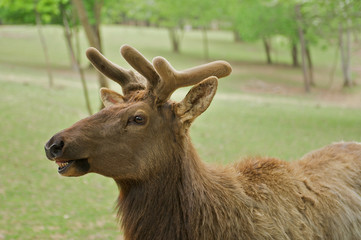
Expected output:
(62, 164)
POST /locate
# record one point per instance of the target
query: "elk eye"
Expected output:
(139, 120)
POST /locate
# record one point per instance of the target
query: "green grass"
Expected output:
(245, 127)
(36, 203)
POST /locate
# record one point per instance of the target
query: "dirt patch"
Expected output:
(350, 98)
(260, 86)
(15, 35)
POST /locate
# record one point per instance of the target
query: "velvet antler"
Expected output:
(160, 78)
(172, 79)
(141, 64)
(125, 78)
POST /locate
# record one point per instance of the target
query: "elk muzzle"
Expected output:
(67, 165)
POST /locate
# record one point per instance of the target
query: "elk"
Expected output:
(141, 140)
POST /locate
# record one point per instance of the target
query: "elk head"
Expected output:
(127, 138)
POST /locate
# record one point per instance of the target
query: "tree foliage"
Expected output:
(23, 11)
(258, 19)
(322, 21)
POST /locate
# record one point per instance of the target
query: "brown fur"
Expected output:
(167, 192)
(257, 198)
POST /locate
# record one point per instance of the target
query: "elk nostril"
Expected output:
(56, 149)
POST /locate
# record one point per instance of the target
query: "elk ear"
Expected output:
(197, 100)
(109, 97)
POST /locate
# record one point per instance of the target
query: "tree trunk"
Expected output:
(205, 44)
(68, 37)
(237, 36)
(333, 69)
(349, 81)
(97, 14)
(294, 52)
(310, 65)
(89, 31)
(75, 61)
(303, 48)
(77, 45)
(345, 55)
(267, 48)
(92, 36)
(45, 48)
(175, 39)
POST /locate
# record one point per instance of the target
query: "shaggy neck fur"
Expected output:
(259, 198)
(185, 201)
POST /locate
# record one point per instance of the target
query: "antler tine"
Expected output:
(126, 78)
(172, 79)
(141, 64)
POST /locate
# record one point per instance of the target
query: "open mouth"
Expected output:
(73, 167)
(63, 166)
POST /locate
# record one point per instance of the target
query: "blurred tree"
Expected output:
(294, 53)
(170, 14)
(35, 12)
(90, 21)
(335, 21)
(120, 12)
(305, 66)
(38, 9)
(69, 19)
(46, 11)
(264, 19)
(201, 13)
(133, 12)
(261, 20)
(329, 21)
(173, 15)
(89, 14)
(17, 12)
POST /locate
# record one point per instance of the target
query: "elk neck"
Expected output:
(179, 200)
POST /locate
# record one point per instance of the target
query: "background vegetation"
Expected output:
(261, 109)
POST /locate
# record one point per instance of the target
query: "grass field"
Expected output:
(259, 110)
